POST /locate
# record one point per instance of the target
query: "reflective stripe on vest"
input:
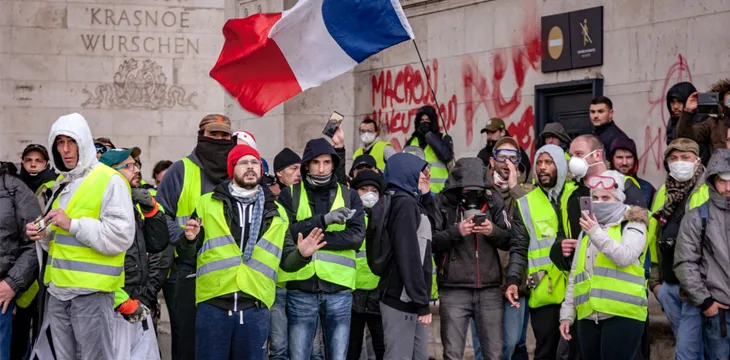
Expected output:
(698, 197)
(191, 192)
(221, 269)
(377, 151)
(365, 279)
(610, 290)
(71, 263)
(541, 223)
(439, 170)
(337, 267)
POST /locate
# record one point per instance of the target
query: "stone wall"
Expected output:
(136, 69)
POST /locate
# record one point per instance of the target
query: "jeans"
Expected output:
(515, 327)
(686, 321)
(718, 346)
(333, 310)
(221, 334)
(615, 338)
(6, 332)
(278, 340)
(458, 307)
(475, 340)
(168, 291)
(26, 321)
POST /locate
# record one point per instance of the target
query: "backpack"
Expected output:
(377, 240)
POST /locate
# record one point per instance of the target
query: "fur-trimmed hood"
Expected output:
(637, 214)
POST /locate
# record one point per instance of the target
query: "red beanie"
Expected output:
(237, 153)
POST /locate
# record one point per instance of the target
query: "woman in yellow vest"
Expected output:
(607, 286)
(241, 238)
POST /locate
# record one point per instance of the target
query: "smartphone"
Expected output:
(42, 224)
(479, 219)
(586, 205)
(332, 124)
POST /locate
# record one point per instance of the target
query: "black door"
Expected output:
(566, 103)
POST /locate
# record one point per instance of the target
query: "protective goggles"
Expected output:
(605, 182)
(100, 148)
(503, 155)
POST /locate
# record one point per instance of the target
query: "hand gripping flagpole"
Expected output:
(433, 93)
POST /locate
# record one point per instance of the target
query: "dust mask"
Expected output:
(369, 199)
(682, 170)
(367, 138)
(578, 166)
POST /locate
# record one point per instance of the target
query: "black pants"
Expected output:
(545, 323)
(168, 291)
(185, 311)
(357, 331)
(616, 338)
(22, 322)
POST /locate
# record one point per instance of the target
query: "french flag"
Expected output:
(269, 58)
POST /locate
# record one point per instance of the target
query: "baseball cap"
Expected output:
(725, 176)
(493, 124)
(115, 156)
(507, 140)
(35, 147)
(682, 144)
(216, 122)
(247, 137)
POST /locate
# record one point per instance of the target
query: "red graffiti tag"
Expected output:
(477, 91)
(654, 139)
(401, 95)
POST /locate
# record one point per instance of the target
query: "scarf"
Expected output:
(258, 201)
(213, 156)
(609, 212)
(677, 191)
(318, 180)
(35, 181)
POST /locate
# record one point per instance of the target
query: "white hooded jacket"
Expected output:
(113, 232)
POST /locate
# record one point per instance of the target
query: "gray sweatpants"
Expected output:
(458, 306)
(82, 327)
(405, 337)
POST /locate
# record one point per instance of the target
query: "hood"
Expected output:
(625, 144)
(637, 214)
(74, 126)
(680, 91)
(315, 148)
(468, 172)
(555, 129)
(431, 112)
(402, 172)
(562, 166)
(719, 163)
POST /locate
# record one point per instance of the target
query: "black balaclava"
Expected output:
(213, 156)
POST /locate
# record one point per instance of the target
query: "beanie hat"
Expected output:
(237, 153)
(368, 177)
(247, 137)
(286, 158)
(682, 144)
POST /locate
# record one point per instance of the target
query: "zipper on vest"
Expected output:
(476, 241)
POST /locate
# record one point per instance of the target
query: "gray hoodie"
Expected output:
(701, 265)
(562, 165)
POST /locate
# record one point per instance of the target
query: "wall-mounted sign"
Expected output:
(572, 40)
(555, 42)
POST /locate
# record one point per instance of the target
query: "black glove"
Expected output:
(337, 216)
(142, 197)
(424, 128)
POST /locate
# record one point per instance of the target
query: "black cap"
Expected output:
(286, 158)
(363, 160)
(368, 177)
(35, 147)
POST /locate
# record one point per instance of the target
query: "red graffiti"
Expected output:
(477, 90)
(401, 95)
(654, 139)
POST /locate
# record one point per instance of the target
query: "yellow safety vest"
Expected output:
(337, 267)
(365, 279)
(377, 152)
(221, 269)
(542, 224)
(618, 291)
(70, 262)
(27, 296)
(191, 192)
(697, 198)
(439, 170)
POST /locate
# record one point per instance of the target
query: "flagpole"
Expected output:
(433, 93)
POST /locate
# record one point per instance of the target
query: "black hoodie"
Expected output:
(442, 145)
(680, 91)
(320, 201)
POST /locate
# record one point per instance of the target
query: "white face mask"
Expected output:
(367, 138)
(682, 170)
(579, 166)
(369, 199)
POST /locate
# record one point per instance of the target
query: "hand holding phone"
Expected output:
(42, 224)
(332, 124)
(586, 205)
(479, 219)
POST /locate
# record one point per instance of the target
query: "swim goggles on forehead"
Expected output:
(605, 182)
(503, 155)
